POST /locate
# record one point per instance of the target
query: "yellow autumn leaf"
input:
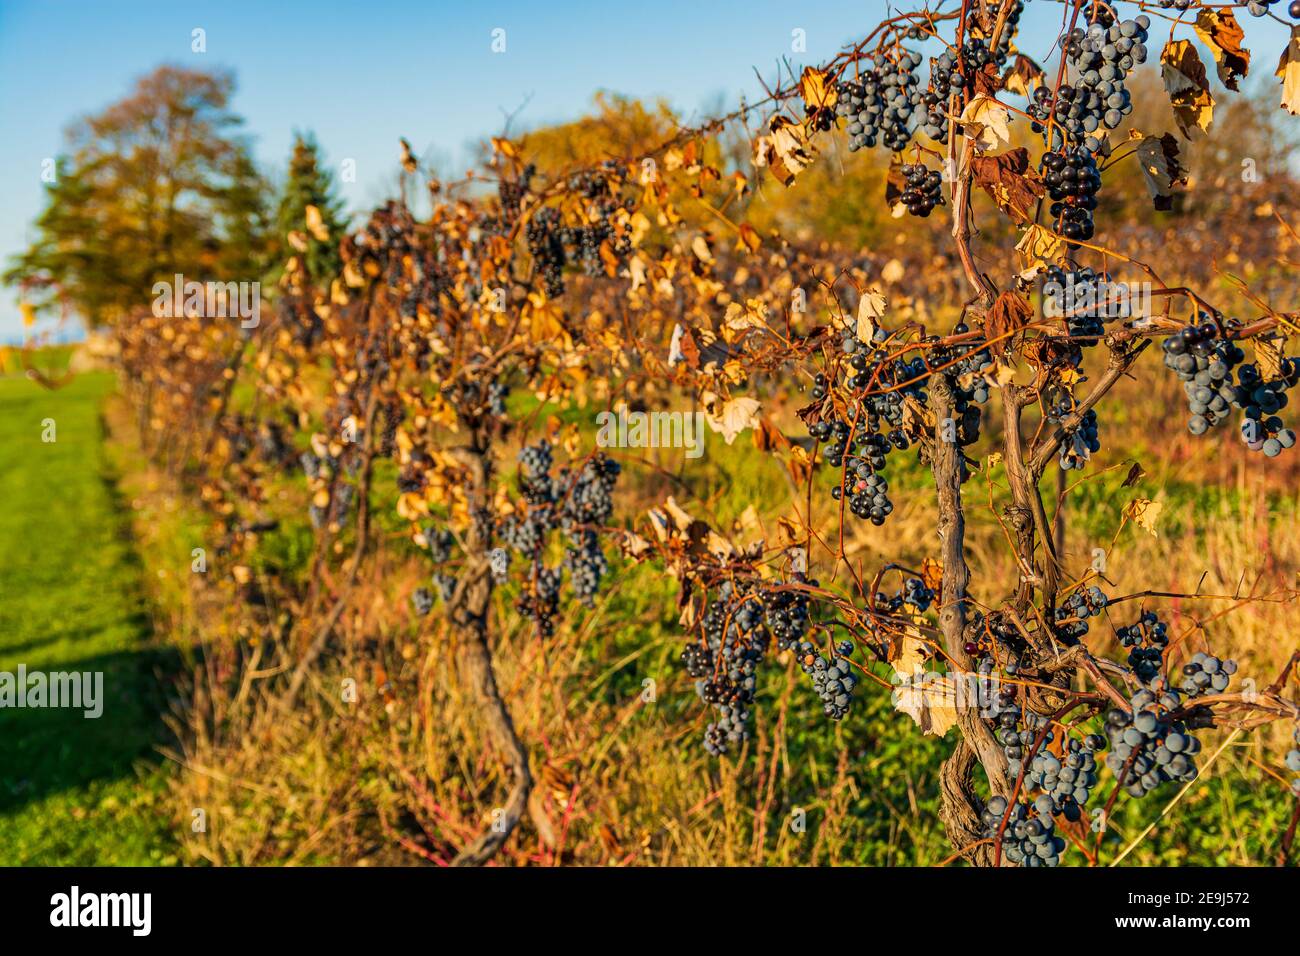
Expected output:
(1288, 71)
(930, 700)
(871, 307)
(987, 123)
(816, 92)
(1143, 512)
(733, 417)
(1039, 246)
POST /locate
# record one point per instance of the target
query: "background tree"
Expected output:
(309, 184)
(159, 183)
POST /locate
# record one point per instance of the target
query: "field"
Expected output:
(76, 791)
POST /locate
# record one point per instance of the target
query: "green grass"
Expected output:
(73, 790)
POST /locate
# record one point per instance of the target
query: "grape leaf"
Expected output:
(1023, 76)
(1188, 87)
(1161, 168)
(987, 123)
(1010, 313)
(1008, 178)
(1288, 70)
(1221, 32)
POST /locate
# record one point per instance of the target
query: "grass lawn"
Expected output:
(74, 790)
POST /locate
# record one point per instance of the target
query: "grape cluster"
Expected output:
(729, 732)
(1205, 673)
(545, 238)
(832, 678)
(422, 601)
(1160, 748)
(512, 192)
(1014, 739)
(1205, 366)
(1066, 782)
(945, 79)
(1072, 616)
(577, 503)
(1081, 442)
(724, 662)
(915, 594)
(587, 565)
(598, 188)
(539, 599)
(1259, 8)
(1080, 297)
(1030, 837)
(439, 543)
(860, 438)
(1072, 180)
(924, 189)
(1146, 638)
(787, 615)
(445, 585)
(879, 105)
(497, 393)
(1103, 55)
(970, 370)
(1260, 428)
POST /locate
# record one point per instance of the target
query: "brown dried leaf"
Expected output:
(1010, 312)
(767, 437)
(1220, 31)
(1008, 178)
(1161, 168)
(1135, 474)
(1023, 76)
(1188, 87)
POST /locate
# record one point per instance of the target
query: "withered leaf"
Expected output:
(1161, 168)
(1009, 180)
(1288, 71)
(1135, 474)
(1221, 32)
(1010, 312)
(1188, 87)
(768, 437)
(1023, 76)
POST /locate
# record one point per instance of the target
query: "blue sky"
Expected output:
(361, 74)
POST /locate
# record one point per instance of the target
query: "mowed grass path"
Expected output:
(73, 790)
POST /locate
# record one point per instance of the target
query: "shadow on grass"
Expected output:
(47, 750)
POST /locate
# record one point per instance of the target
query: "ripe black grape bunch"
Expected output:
(924, 189)
(747, 620)
(573, 501)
